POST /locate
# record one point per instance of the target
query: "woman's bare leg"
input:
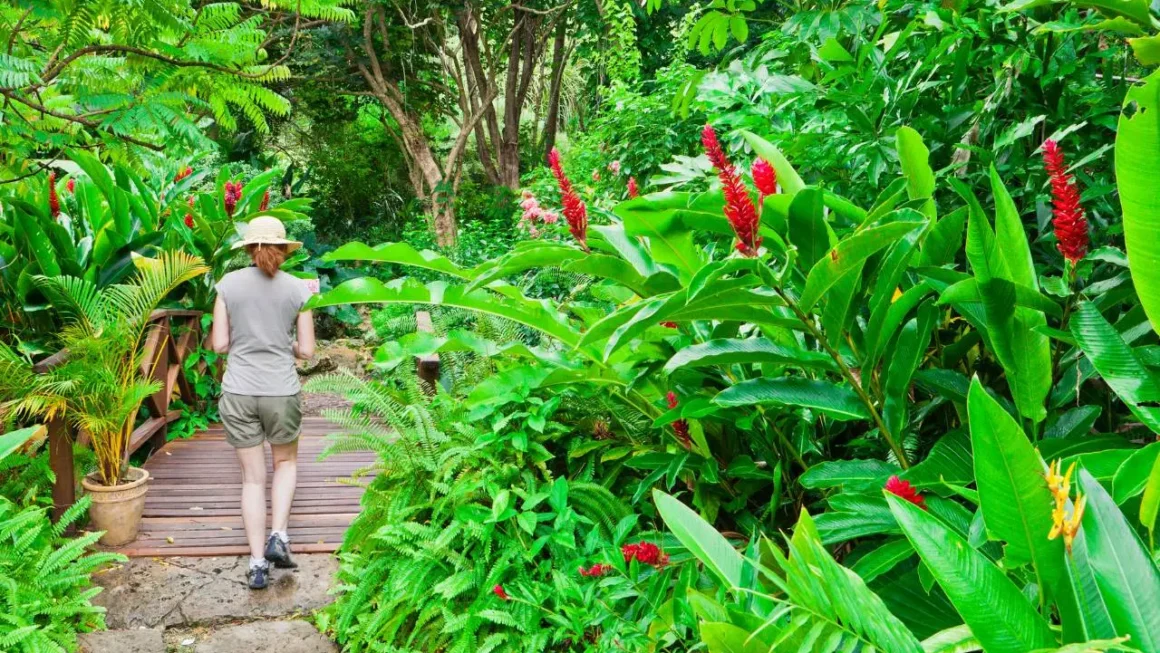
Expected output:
(253, 462)
(285, 482)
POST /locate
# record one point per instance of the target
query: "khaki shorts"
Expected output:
(250, 421)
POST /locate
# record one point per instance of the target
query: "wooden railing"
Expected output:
(171, 336)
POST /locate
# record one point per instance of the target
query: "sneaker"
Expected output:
(278, 552)
(258, 576)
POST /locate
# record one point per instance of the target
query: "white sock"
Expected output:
(257, 562)
(281, 535)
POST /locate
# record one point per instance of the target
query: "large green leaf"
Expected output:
(1127, 578)
(908, 354)
(1132, 475)
(728, 351)
(787, 177)
(1011, 330)
(13, 440)
(958, 639)
(399, 254)
(994, 608)
(701, 539)
(1137, 169)
(1015, 501)
(667, 220)
(807, 228)
(1111, 356)
(526, 256)
(853, 250)
(852, 475)
(839, 402)
(538, 315)
(724, 637)
(915, 160)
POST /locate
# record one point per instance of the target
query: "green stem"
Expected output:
(848, 376)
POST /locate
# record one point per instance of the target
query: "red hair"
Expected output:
(268, 258)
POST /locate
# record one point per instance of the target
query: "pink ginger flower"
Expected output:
(633, 191)
(614, 167)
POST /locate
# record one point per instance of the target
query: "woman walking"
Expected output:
(257, 313)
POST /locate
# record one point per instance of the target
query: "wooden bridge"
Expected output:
(193, 504)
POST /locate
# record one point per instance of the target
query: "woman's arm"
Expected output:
(220, 334)
(304, 347)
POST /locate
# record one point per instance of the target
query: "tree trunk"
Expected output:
(478, 86)
(552, 123)
(521, 69)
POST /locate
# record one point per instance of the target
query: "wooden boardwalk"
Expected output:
(192, 508)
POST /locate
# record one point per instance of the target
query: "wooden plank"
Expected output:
(236, 550)
(149, 429)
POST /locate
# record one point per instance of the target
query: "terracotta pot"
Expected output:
(117, 509)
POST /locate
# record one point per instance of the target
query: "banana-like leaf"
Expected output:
(854, 250)
(1015, 501)
(1132, 475)
(788, 178)
(967, 290)
(1111, 356)
(535, 254)
(399, 254)
(1137, 169)
(998, 613)
(807, 228)
(915, 160)
(839, 402)
(668, 220)
(701, 539)
(604, 266)
(13, 440)
(832, 608)
(724, 637)
(1010, 330)
(851, 475)
(883, 559)
(958, 639)
(1150, 503)
(894, 265)
(1126, 576)
(945, 239)
(908, 354)
(729, 351)
(538, 315)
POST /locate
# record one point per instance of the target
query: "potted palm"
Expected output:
(100, 386)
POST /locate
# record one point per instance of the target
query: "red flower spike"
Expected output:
(680, 426)
(1071, 227)
(633, 191)
(670, 325)
(233, 193)
(189, 220)
(739, 208)
(71, 185)
(53, 199)
(498, 590)
(764, 177)
(182, 174)
(903, 490)
(575, 211)
(265, 201)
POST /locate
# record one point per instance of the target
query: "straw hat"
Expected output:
(267, 230)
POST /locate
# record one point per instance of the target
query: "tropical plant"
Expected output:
(99, 387)
(46, 597)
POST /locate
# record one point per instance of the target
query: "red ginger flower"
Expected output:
(182, 174)
(633, 191)
(764, 177)
(597, 570)
(903, 490)
(71, 185)
(233, 193)
(1071, 227)
(53, 199)
(265, 201)
(498, 590)
(739, 209)
(681, 426)
(575, 212)
(646, 552)
(189, 220)
(670, 325)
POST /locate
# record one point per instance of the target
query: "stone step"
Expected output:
(255, 637)
(144, 640)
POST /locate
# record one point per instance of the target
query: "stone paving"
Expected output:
(202, 605)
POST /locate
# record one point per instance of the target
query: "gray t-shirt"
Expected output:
(263, 313)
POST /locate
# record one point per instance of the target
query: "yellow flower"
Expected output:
(897, 294)
(1060, 487)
